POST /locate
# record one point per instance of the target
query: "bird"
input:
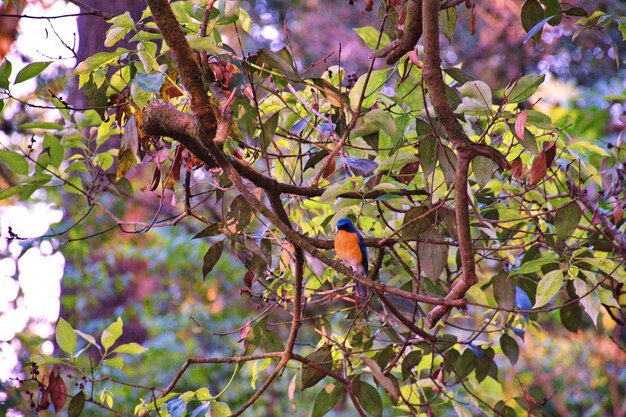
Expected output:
(350, 248)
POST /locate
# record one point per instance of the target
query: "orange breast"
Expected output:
(347, 248)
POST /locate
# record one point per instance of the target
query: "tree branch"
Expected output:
(466, 151)
(162, 119)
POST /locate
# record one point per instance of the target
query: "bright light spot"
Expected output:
(7, 267)
(38, 41)
(12, 322)
(8, 361)
(9, 288)
(270, 33)
(40, 279)
(47, 348)
(29, 221)
(46, 248)
(42, 329)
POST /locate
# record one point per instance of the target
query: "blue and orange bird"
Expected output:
(350, 248)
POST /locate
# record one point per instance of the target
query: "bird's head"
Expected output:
(346, 224)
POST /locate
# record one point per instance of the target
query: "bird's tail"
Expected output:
(361, 293)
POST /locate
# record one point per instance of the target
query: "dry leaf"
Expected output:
(382, 379)
(517, 169)
(520, 125)
(539, 169)
(550, 149)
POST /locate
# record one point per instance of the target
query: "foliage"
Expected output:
(487, 215)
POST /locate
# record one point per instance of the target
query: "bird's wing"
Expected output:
(363, 248)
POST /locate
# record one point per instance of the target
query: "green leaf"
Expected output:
(535, 30)
(116, 362)
(112, 333)
(447, 22)
(43, 160)
(427, 150)
(97, 60)
(532, 266)
(315, 159)
(74, 185)
(126, 160)
(5, 72)
(590, 302)
(532, 13)
(114, 35)
(269, 130)
(146, 51)
(418, 227)
(211, 230)
(219, 409)
(123, 20)
(465, 364)
(411, 361)
(76, 405)
(459, 75)
(553, 8)
(523, 88)
(311, 376)
(11, 191)
(375, 83)
(368, 397)
(504, 290)
(65, 337)
(89, 338)
(150, 82)
(31, 70)
(476, 96)
(448, 161)
(547, 288)
(211, 257)
(130, 348)
(510, 348)
(331, 193)
(484, 169)
(566, 220)
(374, 121)
(53, 145)
(281, 60)
(240, 214)
(571, 316)
(370, 37)
(327, 399)
(433, 257)
(329, 91)
(16, 162)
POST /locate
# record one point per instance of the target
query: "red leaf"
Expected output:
(244, 332)
(330, 168)
(539, 168)
(618, 213)
(57, 389)
(550, 150)
(407, 173)
(520, 125)
(517, 168)
(248, 279)
(473, 21)
(414, 59)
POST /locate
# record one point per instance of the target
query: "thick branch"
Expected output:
(190, 71)
(466, 150)
(161, 119)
